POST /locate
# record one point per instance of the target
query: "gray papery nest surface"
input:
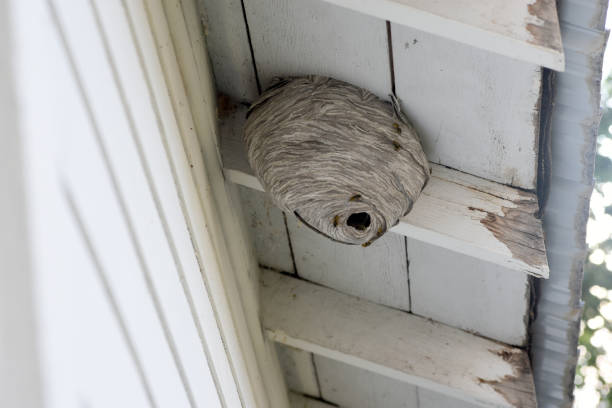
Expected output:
(345, 162)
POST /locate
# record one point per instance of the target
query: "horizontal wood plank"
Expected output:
(394, 343)
(523, 29)
(457, 211)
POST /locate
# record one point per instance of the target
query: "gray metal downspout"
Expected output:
(574, 124)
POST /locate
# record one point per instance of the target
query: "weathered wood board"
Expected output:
(268, 231)
(132, 176)
(475, 111)
(378, 273)
(313, 37)
(527, 30)
(479, 218)
(298, 370)
(476, 296)
(457, 211)
(350, 386)
(395, 344)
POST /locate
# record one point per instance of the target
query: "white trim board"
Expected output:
(394, 343)
(527, 30)
(457, 211)
(230, 266)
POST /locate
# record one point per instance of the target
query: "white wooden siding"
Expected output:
(140, 178)
(19, 349)
(132, 310)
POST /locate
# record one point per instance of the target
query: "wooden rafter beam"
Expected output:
(394, 343)
(527, 30)
(457, 211)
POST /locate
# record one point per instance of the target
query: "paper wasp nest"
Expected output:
(345, 162)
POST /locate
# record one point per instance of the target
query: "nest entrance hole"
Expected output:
(360, 221)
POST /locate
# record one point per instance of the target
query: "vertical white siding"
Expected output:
(19, 371)
(131, 309)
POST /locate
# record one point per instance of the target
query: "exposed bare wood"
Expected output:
(471, 213)
(457, 211)
(395, 344)
(523, 29)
